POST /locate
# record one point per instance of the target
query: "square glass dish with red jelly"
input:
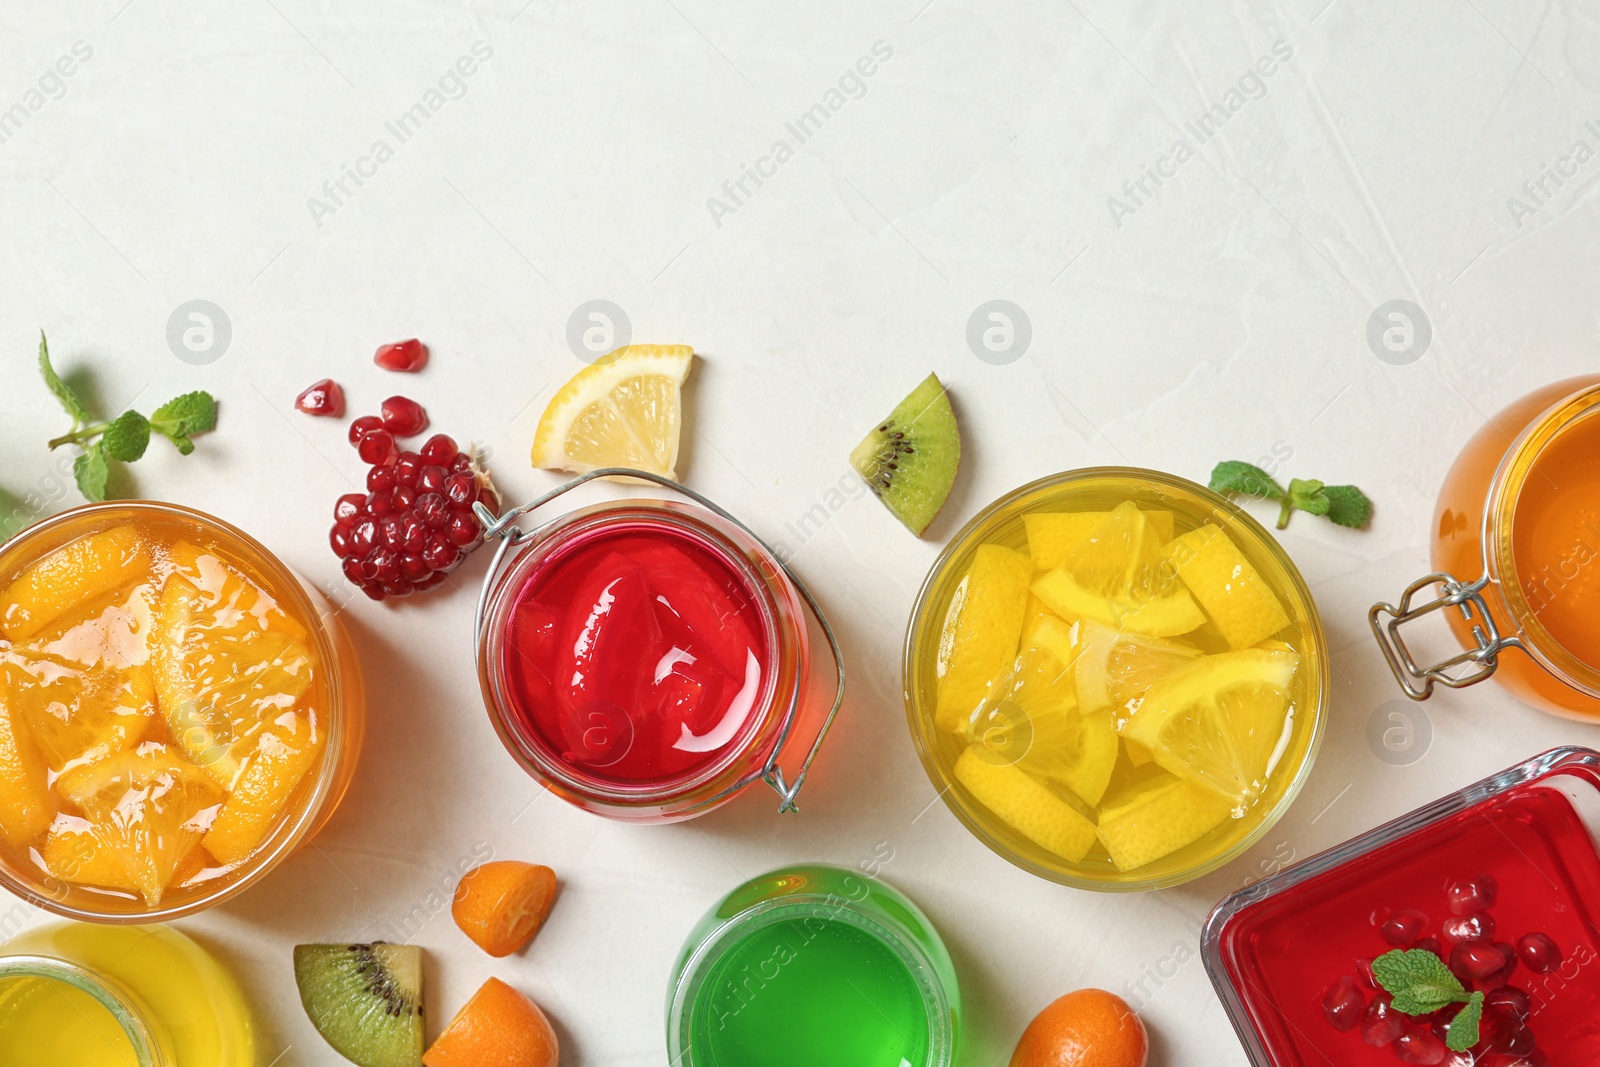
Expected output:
(1373, 952)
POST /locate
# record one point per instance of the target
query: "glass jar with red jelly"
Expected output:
(649, 659)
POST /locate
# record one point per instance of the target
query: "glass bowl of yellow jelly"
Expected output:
(1115, 678)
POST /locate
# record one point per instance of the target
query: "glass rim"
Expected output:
(921, 724)
(289, 834)
(1499, 527)
(766, 731)
(1536, 768)
(884, 928)
(144, 1034)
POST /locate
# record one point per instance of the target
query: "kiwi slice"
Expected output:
(910, 458)
(365, 1000)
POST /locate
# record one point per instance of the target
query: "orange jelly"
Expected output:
(1519, 513)
(167, 692)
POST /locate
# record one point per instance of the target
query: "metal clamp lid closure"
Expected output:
(504, 526)
(1467, 598)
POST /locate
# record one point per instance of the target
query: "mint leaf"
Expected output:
(53, 382)
(1464, 1027)
(127, 437)
(1306, 494)
(1348, 506)
(91, 471)
(1418, 981)
(1232, 476)
(185, 416)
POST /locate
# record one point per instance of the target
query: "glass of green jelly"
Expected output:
(815, 965)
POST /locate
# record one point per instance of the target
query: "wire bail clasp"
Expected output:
(1467, 598)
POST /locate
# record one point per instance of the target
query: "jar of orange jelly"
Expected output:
(1516, 558)
(179, 712)
(648, 660)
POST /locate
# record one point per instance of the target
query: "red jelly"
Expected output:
(639, 654)
(1516, 854)
(644, 659)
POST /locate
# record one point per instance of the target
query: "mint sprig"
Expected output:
(1343, 504)
(1421, 984)
(124, 438)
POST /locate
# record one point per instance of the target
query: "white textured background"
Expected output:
(1225, 317)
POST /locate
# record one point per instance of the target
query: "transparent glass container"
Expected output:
(119, 996)
(1274, 948)
(342, 713)
(1100, 489)
(790, 718)
(1496, 595)
(788, 920)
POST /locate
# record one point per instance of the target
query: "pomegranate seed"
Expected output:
(404, 497)
(1364, 972)
(377, 448)
(1475, 894)
(440, 449)
(340, 537)
(414, 534)
(434, 510)
(348, 507)
(372, 591)
(463, 528)
(363, 535)
(1509, 1001)
(380, 479)
(1478, 927)
(431, 479)
(352, 570)
(390, 533)
(379, 504)
(403, 416)
(1430, 944)
(440, 554)
(408, 355)
(363, 426)
(462, 464)
(322, 398)
(1343, 1004)
(385, 565)
(407, 467)
(1418, 1045)
(1382, 1024)
(431, 581)
(1503, 975)
(1404, 927)
(462, 489)
(413, 568)
(1475, 960)
(1539, 953)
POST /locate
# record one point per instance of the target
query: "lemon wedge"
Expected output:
(624, 411)
(1027, 806)
(1053, 535)
(1220, 724)
(1161, 616)
(981, 629)
(1227, 585)
(1156, 818)
(1114, 669)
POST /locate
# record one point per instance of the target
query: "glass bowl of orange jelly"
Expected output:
(178, 712)
(1516, 558)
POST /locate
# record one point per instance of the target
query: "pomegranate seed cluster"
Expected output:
(415, 523)
(1466, 943)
